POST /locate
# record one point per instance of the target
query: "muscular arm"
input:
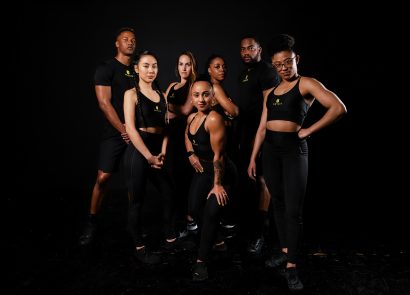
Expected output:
(226, 103)
(103, 94)
(259, 137)
(216, 128)
(335, 108)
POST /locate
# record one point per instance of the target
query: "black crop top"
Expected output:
(178, 96)
(149, 113)
(201, 142)
(290, 106)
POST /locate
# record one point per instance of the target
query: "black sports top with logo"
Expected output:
(289, 106)
(178, 96)
(149, 113)
(201, 142)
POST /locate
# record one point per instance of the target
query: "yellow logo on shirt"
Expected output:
(129, 74)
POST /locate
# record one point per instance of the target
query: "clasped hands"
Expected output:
(156, 161)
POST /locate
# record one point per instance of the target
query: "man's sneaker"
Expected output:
(292, 278)
(220, 247)
(277, 260)
(183, 234)
(255, 247)
(192, 226)
(146, 257)
(89, 234)
(227, 225)
(199, 272)
(179, 245)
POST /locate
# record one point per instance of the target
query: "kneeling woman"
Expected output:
(205, 139)
(145, 112)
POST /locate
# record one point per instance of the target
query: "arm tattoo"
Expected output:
(218, 171)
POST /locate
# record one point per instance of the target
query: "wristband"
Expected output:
(190, 153)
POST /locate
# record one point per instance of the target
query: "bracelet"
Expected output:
(190, 153)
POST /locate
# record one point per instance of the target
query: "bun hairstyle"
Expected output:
(281, 42)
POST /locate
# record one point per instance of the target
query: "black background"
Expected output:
(354, 185)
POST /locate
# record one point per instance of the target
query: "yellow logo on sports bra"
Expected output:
(277, 102)
(245, 79)
(157, 109)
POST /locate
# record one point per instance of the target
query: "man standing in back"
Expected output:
(257, 77)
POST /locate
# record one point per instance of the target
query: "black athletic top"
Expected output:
(149, 113)
(201, 142)
(253, 81)
(178, 96)
(120, 78)
(290, 106)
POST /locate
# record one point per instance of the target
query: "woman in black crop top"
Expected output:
(145, 116)
(216, 69)
(205, 140)
(179, 107)
(285, 150)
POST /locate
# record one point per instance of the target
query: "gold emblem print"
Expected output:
(128, 74)
(277, 102)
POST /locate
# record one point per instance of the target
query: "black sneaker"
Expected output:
(220, 247)
(227, 225)
(192, 226)
(179, 245)
(292, 278)
(146, 257)
(277, 260)
(199, 272)
(88, 234)
(255, 247)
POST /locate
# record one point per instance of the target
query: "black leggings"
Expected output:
(178, 166)
(285, 168)
(206, 211)
(137, 173)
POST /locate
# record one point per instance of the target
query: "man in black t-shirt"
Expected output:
(112, 78)
(257, 77)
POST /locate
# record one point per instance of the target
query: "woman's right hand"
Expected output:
(156, 161)
(194, 160)
(252, 170)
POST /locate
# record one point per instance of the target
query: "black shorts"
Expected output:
(111, 151)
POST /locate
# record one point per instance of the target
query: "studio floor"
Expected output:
(48, 260)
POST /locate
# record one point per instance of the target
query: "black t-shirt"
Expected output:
(120, 78)
(252, 82)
